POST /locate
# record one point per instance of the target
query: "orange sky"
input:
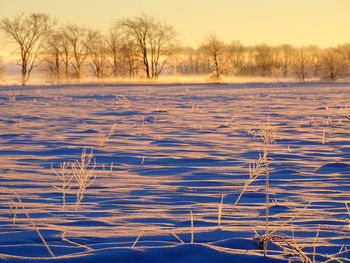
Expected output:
(297, 22)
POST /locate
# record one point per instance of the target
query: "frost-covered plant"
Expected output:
(84, 174)
(65, 176)
(103, 141)
(268, 135)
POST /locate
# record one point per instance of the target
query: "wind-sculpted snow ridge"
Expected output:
(162, 181)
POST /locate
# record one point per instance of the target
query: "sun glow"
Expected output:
(296, 22)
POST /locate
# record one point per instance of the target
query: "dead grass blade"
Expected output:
(34, 226)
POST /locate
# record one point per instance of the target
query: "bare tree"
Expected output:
(130, 58)
(76, 43)
(115, 42)
(301, 65)
(52, 61)
(27, 31)
(236, 52)
(215, 48)
(193, 61)
(122, 52)
(333, 64)
(65, 52)
(284, 58)
(155, 42)
(264, 58)
(315, 53)
(97, 50)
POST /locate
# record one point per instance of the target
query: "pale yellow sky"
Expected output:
(297, 22)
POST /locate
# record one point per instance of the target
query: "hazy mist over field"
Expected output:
(75, 42)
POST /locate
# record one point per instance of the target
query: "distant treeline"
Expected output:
(143, 47)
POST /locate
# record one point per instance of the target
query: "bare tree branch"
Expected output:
(27, 31)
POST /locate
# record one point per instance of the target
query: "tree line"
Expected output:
(270, 61)
(144, 47)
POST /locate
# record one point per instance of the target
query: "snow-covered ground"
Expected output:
(175, 150)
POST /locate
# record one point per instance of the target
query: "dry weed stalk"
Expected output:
(63, 237)
(316, 237)
(177, 237)
(137, 239)
(228, 122)
(103, 141)
(290, 219)
(254, 172)
(192, 227)
(348, 209)
(265, 239)
(268, 135)
(34, 226)
(13, 211)
(220, 210)
(65, 176)
(330, 259)
(293, 235)
(324, 136)
(84, 173)
(269, 238)
(292, 246)
(335, 257)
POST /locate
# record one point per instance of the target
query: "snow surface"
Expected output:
(175, 149)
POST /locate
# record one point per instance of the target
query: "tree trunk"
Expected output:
(24, 75)
(217, 67)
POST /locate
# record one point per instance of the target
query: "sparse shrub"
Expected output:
(65, 176)
(84, 174)
(83, 171)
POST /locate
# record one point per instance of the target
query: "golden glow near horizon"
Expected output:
(296, 22)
